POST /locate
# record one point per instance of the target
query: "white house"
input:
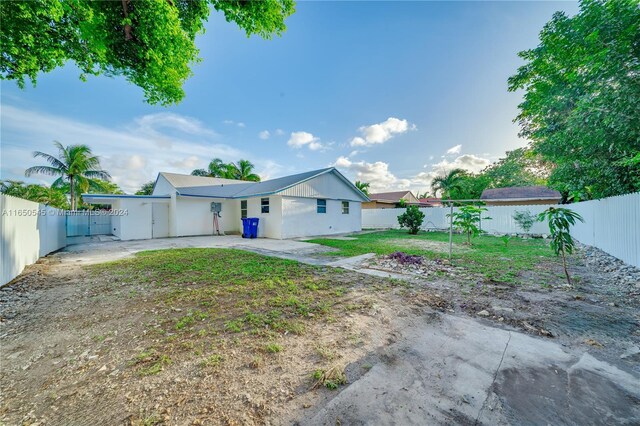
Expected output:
(320, 202)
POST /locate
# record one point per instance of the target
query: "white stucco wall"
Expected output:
(136, 223)
(162, 186)
(194, 217)
(270, 225)
(28, 231)
(301, 219)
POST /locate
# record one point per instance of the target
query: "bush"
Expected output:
(524, 219)
(411, 219)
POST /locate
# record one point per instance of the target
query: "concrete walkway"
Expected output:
(104, 251)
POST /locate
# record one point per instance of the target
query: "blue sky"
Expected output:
(389, 92)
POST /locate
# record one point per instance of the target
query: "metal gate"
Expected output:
(81, 223)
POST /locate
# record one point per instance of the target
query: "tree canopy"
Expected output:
(77, 170)
(149, 42)
(582, 99)
(218, 168)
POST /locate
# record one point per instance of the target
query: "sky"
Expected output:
(390, 93)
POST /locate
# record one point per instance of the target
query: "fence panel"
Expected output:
(611, 224)
(82, 223)
(28, 231)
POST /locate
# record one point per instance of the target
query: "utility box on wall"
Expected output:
(216, 207)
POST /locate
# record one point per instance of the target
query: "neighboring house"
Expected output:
(319, 202)
(431, 202)
(390, 200)
(520, 196)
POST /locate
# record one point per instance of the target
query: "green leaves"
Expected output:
(149, 42)
(582, 96)
(411, 219)
(467, 219)
(560, 221)
(217, 168)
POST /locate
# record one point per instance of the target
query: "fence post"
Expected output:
(450, 229)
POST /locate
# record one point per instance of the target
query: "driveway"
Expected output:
(104, 251)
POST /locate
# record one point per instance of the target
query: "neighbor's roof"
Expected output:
(243, 189)
(184, 181)
(521, 192)
(388, 196)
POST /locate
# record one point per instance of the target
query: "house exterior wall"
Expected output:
(136, 224)
(327, 186)
(301, 219)
(377, 205)
(163, 187)
(270, 224)
(194, 217)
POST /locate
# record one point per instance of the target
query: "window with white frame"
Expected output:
(264, 205)
(345, 207)
(243, 209)
(321, 206)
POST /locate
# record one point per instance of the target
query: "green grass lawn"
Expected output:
(487, 256)
(200, 301)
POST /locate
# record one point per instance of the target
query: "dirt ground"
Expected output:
(71, 346)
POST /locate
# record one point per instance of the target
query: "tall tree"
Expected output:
(43, 194)
(363, 187)
(581, 99)
(216, 168)
(146, 188)
(75, 166)
(149, 42)
(242, 171)
(447, 183)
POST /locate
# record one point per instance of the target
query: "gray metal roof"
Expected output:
(184, 181)
(256, 189)
(521, 192)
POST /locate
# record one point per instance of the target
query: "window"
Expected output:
(243, 208)
(322, 206)
(264, 205)
(345, 207)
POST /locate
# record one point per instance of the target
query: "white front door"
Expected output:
(159, 220)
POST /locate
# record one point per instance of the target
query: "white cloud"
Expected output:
(469, 162)
(299, 139)
(381, 132)
(234, 123)
(454, 149)
(279, 132)
(129, 153)
(377, 174)
(264, 135)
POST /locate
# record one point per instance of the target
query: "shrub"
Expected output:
(411, 219)
(560, 220)
(524, 219)
(467, 219)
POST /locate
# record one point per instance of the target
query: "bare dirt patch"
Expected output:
(81, 346)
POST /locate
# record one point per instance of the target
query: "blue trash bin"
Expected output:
(253, 226)
(250, 227)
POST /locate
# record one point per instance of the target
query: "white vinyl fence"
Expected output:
(28, 231)
(611, 224)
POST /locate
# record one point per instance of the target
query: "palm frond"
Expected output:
(43, 170)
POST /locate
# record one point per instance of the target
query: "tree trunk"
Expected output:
(564, 265)
(72, 192)
(127, 27)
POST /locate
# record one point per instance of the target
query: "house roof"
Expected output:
(184, 181)
(389, 196)
(521, 193)
(242, 189)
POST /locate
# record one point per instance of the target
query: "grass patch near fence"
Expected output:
(488, 256)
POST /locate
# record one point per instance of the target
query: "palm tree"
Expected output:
(216, 168)
(363, 187)
(447, 183)
(242, 171)
(76, 167)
